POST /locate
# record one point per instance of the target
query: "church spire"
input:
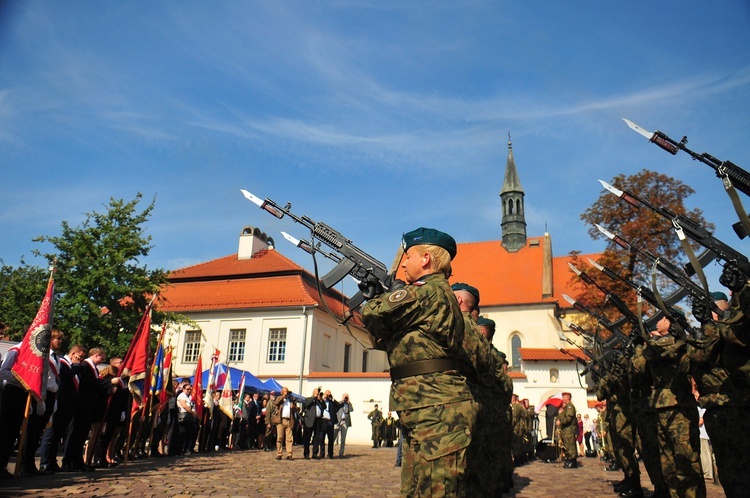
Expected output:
(511, 195)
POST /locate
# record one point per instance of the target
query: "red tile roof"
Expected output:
(549, 354)
(505, 278)
(267, 280)
(262, 262)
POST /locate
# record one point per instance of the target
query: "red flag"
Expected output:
(135, 363)
(32, 362)
(168, 390)
(198, 388)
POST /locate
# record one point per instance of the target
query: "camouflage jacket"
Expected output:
(567, 418)
(719, 368)
(477, 360)
(668, 364)
(422, 321)
(641, 384)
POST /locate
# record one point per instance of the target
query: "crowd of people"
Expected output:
(88, 418)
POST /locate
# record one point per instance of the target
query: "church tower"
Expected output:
(511, 195)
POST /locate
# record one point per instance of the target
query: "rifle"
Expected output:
(686, 226)
(621, 336)
(643, 292)
(730, 174)
(349, 259)
(696, 293)
(609, 296)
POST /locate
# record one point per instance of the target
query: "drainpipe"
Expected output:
(304, 346)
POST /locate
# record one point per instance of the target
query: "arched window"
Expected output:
(510, 206)
(515, 346)
(554, 375)
(518, 206)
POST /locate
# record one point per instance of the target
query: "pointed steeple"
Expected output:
(511, 195)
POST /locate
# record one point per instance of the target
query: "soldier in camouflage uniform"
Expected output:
(646, 421)
(500, 404)
(528, 420)
(720, 363)
(420, 326)
(478, 363)
(376, 419)
(566, 421)
(667, 363)
(518, 417)
(622, 426)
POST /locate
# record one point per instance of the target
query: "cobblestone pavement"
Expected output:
(366, 472)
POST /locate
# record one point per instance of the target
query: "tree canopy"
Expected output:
(640, 226)
(102, 284)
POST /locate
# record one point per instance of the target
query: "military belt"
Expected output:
(423, 367)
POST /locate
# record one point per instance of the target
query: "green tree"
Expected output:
(102, 284)
(643, 228)
(21, 292)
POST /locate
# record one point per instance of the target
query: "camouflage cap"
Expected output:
(468, 288)
(432, 237)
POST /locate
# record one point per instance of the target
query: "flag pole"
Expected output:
(22, 438)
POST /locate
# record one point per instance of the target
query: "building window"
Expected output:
(365, 353)
(192, 346)
(554, 375)
(347, 355)
(515, 346)
(236, 345)
(276, 345)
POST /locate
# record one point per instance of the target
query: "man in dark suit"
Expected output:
(67, 393)
(90, 384)
(254, 413)
(313, 415)
(328, 421)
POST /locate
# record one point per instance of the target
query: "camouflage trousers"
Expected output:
(646, 427)
(569, 442)
(729, 430)
(623, 438)
(679, 449)
(434, 459)
(484, 476)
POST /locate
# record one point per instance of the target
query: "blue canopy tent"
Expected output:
(272, 385)
(252, 383)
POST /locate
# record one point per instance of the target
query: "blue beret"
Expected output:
(719, 296)
(432, 237)
(468, 288)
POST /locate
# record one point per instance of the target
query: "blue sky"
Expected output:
(374, 117)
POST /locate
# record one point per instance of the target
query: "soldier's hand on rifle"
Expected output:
(701, 312)
(732, 277)
(371, 287)
(396, 285)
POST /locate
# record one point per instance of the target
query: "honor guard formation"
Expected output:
(660, 381)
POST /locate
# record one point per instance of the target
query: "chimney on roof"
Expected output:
(253, 240)
(547, 273)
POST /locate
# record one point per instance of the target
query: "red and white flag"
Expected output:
(32, 363)
(225, 402)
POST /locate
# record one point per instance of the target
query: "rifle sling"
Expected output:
(693, 260)
(640, 317)
(423, 367)
(736, 202)
(663, 307)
